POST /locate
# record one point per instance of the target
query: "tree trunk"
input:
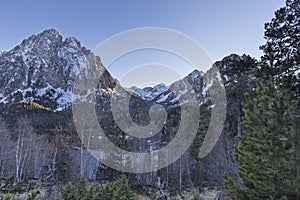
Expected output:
(81, 161)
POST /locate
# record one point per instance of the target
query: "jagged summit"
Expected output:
(43, 68)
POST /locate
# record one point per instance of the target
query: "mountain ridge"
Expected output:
(43, 68)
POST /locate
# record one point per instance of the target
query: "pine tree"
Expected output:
(118, 190)
(81, 189)
(68, 193)
(204, 119)
(266, 153)
(269, 153)
(93, 193)
(123, 190)
(108, 191)
(281, 59)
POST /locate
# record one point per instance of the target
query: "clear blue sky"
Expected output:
(221, 27)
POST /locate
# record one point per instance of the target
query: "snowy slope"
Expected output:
(43, 68)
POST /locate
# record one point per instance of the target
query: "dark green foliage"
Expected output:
(118, 190)
(269, 152)
(266, 153)
(81, 189)
(197, 197)
(281, 57)
(123, 190)
(234, 190)
(237, 73)
(6, 197)
(33, 195)
(205, 115)
(108, 191)
(42, 120)
(281, 49)
(8, 185)
(68, 193)
(93, 193)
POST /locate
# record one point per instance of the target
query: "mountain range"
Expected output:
(43, 70)
(44, 67)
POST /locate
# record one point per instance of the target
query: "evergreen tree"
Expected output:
(281, 59)
(93, 193)
(78, 193)
(269, 153)
(205, 115)
(81, 189)
(123, 190)
(68, 193)
(108, 191)
(266, 153)
(118, 190)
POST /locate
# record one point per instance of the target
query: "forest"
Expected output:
(256, 157)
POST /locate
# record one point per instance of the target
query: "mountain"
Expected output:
(162, 94)
(43, 68)
(150, 93)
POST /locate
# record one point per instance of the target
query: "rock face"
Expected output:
(43, 69)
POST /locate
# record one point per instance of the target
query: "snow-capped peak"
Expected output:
(149, 93)
(43, 68)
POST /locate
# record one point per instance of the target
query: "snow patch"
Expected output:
(163, 98)
(150, 93)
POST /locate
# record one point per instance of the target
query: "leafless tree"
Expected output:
(6, 148)
(24, 145)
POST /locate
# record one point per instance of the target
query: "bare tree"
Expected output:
(42, 151)
(6, 148)
(23, 147)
